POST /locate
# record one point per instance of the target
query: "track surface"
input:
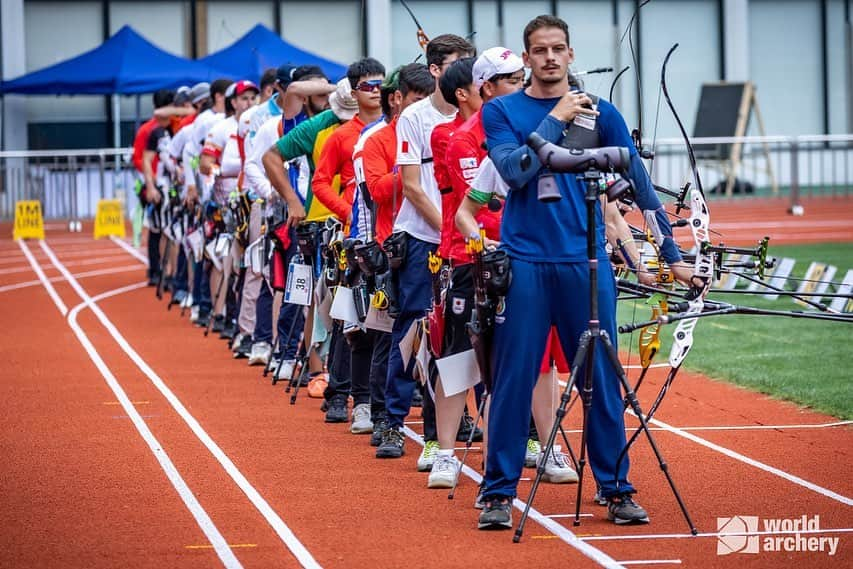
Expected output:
(207, 465)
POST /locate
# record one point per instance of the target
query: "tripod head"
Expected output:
(579, 161)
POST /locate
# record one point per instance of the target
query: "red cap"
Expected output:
(240, 87)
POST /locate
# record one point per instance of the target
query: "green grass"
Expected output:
(805, 361)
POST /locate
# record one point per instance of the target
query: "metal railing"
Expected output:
(70, 183)
(786, 166)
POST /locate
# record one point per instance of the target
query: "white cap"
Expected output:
(342, 102)
(495, 61)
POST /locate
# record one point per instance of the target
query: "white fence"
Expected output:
(69, 183)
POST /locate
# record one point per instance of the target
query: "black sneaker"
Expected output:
(337, 411)
(203, 320)
(379, 425)
(622, 509)
(218, 323)
(466, 425)
(392, 444)
(229, 331)
(245, 347)
(496, 514)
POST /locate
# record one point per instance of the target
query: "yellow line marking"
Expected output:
(132, 403)
(544, 537)
(232, 546)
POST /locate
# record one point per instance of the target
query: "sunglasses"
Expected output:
(368, 86)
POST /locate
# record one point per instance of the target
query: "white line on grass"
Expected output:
(284, 532)
(202, 519)
(557, 529)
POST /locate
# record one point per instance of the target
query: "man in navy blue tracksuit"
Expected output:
(550, 281)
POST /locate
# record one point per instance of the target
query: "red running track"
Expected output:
(256, 482)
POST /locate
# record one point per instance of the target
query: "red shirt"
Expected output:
(439, 141)
(379, 157)
(336, 159)
(140, 142)
(465, 151)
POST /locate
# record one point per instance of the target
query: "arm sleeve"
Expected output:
(329, 165)
(409, 145)
(380, 176)
(254, 167)
(614, 132)
(506, 151)
(298, 142)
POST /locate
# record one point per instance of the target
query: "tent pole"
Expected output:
(116, 121)
(138, 113)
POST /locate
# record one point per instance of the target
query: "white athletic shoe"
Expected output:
(194, 313)
(443, 473)
(557, 469)
(531, 454)
(361, 423)
(428, 454)
(187, 301)
(286, 370)
(260, 354)
(235, 343)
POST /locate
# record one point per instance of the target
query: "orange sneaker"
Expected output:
(317, 386)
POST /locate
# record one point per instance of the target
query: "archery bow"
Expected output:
(423, 39)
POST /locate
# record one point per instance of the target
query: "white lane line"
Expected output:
(96, 261)
(204, 522)
(711, 534)
(786, 224)
(752, 462)
(284, 532)
(25, 284)
(87, 252)
(130, 249)
(49, 287)
(681, 432)
(557, 529)
(740, 427)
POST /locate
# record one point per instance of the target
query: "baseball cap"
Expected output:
(495, 61)
(240, 87)
(284, 74)
(342, 102)
(182, 95)
(199, 92)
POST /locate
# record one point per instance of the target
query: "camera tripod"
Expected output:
(593, 180)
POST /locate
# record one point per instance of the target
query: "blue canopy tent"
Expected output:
(125, 64)
(260, 49)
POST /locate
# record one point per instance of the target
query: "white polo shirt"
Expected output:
(414, 129)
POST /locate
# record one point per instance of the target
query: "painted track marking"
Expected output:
(201, 517)
(281, 529)
(558, 530)
(87, 274)
(49, 287)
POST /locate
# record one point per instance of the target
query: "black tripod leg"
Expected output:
(644, 426)
(583, 345)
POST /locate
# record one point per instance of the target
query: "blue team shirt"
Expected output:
(550, 232)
